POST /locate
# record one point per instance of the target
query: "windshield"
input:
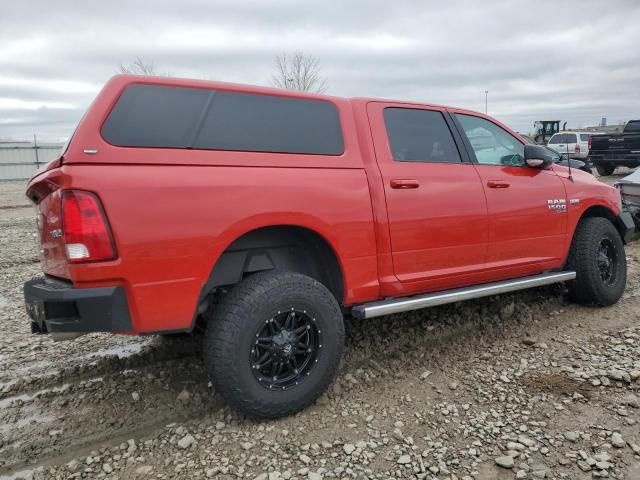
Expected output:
(528, 139)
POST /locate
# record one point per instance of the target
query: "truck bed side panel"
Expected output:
(171, 223)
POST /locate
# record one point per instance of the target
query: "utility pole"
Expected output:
(486, 102)
(35, 149)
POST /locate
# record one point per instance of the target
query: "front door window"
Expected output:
(491, 144)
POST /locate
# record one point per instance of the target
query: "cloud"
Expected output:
(576, 61)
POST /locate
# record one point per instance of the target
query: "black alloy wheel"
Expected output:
(606, 258)
(285, 349)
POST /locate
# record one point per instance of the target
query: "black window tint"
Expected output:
(419, 136)
(632, 126)
(263, 123)
(563, 138)
(155, 116)
(176, 117)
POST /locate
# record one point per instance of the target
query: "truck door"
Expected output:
(437, 213)
(527, 207)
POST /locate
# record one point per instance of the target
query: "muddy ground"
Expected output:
(518, 386)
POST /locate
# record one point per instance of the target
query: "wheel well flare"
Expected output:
(283, 247)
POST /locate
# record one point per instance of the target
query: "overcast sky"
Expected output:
(576, 61)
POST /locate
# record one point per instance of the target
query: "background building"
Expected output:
(18, 160)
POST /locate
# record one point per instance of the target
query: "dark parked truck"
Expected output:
(619, 149)
(262, 216)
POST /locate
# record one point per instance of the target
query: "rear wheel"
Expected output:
(605, 170)
(598, 258)
(273, 343)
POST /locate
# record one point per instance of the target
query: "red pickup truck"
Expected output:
(263, 216)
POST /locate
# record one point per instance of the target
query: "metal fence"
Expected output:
(19, 162)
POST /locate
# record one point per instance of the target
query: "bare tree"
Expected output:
(138, 67)
(299, 72)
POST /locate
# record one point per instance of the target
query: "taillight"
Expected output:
(87, 236)
(577, 148)
(590, 142)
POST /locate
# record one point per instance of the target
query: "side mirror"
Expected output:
(537, 156)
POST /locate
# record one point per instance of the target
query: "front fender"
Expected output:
(587, 196)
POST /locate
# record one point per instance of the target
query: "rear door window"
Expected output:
(563, 138)
(178, 117)
(419, 136)
(584, 137)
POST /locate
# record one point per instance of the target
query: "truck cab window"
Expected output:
(491, 144)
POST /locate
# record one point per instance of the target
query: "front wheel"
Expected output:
(598, 258)
(605, 170)
(273, 344)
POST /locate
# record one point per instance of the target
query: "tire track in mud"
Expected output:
(110, 360)
(22, 261)
(89, 403)
(83, 446)
(49, 425)
(14, 207)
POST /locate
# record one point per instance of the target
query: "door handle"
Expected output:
(404, 184)
(497, 184)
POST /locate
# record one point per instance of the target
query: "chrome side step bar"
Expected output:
(404, 304)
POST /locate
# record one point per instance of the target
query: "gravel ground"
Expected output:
(518, 386)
